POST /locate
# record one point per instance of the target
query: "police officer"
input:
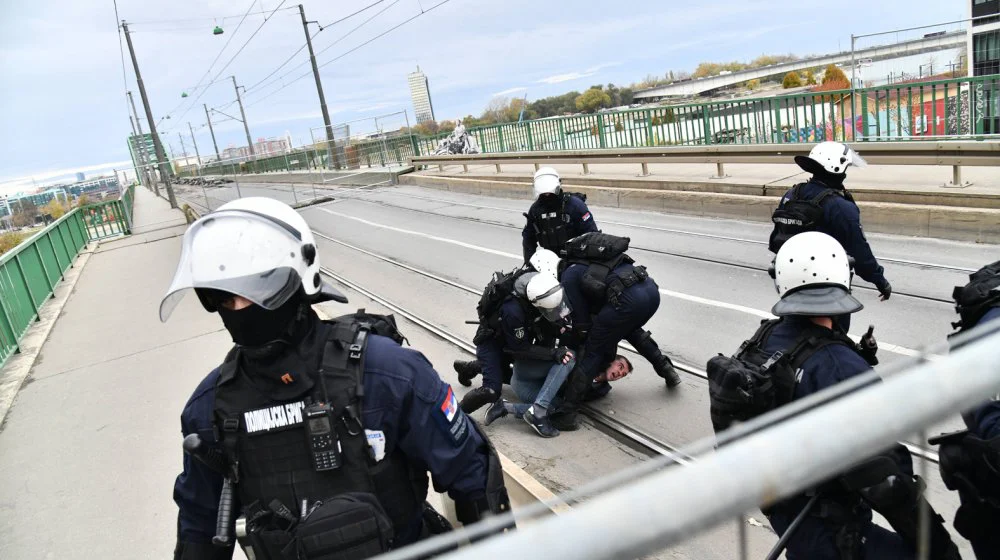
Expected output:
(813, 278)
(603, 318)
(824, 204)
(524, 334)
(316, 431)
(555, 217)
(970, 460)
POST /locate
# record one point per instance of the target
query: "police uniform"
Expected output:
(607, 323)
(816, 537)
(410, 421)
(553, 220)
(969, 464)
(842, 221)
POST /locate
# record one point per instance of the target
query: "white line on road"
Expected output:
(894, 348)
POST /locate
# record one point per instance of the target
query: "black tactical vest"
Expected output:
(551, 224)
(267, 441)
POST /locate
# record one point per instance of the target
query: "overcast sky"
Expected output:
(63, 108)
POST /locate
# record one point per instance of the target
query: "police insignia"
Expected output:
(519, 333)
(452, 419)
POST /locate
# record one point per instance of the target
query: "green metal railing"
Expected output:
(960, 108)
(30, 272)
(964, 108)
(352, 155)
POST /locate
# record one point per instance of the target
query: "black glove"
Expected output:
(563, 355)
(884, 288)
(868, 346)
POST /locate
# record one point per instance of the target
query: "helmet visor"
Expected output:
(557, 313)
(240, 255)
(855, 158)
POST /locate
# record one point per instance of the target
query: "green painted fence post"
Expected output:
(600, 131)
(707, 126)
(531, 141)
(27, 286)
(864, 115)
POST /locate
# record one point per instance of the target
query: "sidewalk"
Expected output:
(91, 444)
(913, 178)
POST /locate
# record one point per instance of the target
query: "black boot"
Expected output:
(666, 370)
(647, 348)
(540, 422)
(478, 398)
(496, 411)
(467, 371)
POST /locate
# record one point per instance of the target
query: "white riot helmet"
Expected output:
(830, 157)
(257, 248)
(546, 262)
(547, 181)
(813, 277)
(548, 297)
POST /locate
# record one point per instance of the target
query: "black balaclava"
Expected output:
(255, 327)
(832, 180)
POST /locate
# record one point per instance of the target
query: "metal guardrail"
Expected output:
(30, 272)
(955, 154)
(962, 108)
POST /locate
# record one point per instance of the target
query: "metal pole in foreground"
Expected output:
(246, 127)
(319, 84)
(212, 130)
(161, 157)
(138, 125)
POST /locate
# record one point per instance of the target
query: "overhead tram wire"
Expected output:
(203, 18)
(297, 51)
(232, 58)
(380, 35)
(212, 65)
(344, 36)
(121, 51)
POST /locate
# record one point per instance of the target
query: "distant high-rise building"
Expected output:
(421, 94)
(983, 50)
(79, 177)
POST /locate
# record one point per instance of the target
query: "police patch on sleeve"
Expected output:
(452, 418)
(586, 217)
(519, 333)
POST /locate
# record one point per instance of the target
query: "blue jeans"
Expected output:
(537, 382)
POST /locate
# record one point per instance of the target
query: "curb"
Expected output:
(970, 224)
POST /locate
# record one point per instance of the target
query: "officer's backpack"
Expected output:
(974, 299)
(496, 291)
(382, 325)
(595, 246)
(753, 381)
(797, 215)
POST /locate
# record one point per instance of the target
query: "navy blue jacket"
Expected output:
(826, 367)
(984, 420)
(581, 221)
(842, 221)
(404, 398)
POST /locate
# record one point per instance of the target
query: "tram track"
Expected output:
(633, 436)
(674, 254)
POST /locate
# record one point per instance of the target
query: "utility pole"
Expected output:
(210, 129)
(184, 149)
(143, 175)
(160, 156)
(246, 127)
(195, 142)
(150, 174)
(319, 84)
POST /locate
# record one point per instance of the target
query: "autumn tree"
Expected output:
(791, 81)
(54, 209)
(808, 77)
(592, 100)
(753, 84)
(834, 74)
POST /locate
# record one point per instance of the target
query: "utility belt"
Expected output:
(349, 526)
(618, 284)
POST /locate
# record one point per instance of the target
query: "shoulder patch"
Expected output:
(586, 217)
(519, 333)
(452, 419)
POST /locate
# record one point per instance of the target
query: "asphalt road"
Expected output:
(713, 294)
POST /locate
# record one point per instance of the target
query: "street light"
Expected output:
(217, 30)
